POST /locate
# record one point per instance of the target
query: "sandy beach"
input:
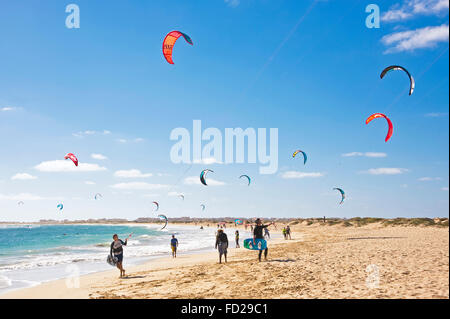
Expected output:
(320, 261)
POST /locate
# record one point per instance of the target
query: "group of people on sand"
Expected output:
(260, 231)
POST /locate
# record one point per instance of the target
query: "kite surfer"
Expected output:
(258, 234)
(116, 252)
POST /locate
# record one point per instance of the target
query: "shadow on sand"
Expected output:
(283, 260)
(133, 277)
(359, 238)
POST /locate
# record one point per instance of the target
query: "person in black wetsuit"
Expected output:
(258, 234)
(117, 252)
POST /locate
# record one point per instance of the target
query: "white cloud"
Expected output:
(195, 180)
(413, 8)
(8, 108)
(173, 194)
(136, 140)
(429, 179)
(67, 166)
(296, 174)
(98, 156)
(151, 195)
(436, 114)
(416, 39)
(89, 183)
(366, 154)
(23, 176)
(232, 3)
(207, 161)
(138, 186)
(375, 154)
(131, 173)
(386, 171)
(26, 196)
(444, 189)
(162, 174)
(395, 15)
(352, 154)
(90, 133)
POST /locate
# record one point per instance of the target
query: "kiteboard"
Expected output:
(111, 260)
(255, 244)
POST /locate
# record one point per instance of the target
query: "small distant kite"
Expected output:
(165, 219)
(169, 42)
(203, 176)
(303, 153)
(398, 67)
(72, 157)
(181, 196)
(20, 203)
(157, 206)
(60, 206)
(342, 194)
(97, 196)
(248, 178)
(391, 127)
(203, 207)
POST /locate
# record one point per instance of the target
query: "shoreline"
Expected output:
(60, 288)
(135, 261)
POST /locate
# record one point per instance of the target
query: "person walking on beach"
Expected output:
(237, 238)
(258, 234)
(116, 252)
(174, 246)
(288, 232)
(284, 232)
(222, 244)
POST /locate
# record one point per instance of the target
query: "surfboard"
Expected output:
(255, 244)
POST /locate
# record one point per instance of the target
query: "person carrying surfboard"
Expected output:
(258, 234)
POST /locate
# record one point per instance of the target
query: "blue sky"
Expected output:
(309, 68)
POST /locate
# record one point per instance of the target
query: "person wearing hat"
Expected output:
(258, 234)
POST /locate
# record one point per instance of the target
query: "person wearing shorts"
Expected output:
(222, 244)
(258, 234)
(116, 252)
(174, 246)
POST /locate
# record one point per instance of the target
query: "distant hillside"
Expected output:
(351, 222)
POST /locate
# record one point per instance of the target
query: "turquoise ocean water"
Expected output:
(31, 254)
